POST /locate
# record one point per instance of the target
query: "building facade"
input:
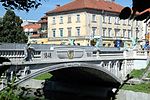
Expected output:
(84, 20)
(37, 32)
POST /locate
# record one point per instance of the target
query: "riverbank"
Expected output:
(131, 95)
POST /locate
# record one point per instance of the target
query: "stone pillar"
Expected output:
(26, 70)
(125, 69)
(109, 65)
(11, 75)
(115, 68)
(111, 68)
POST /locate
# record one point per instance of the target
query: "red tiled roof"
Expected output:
(32, 26)
(89, 4)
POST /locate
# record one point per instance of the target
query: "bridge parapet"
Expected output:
(137, 54)
(120, 63)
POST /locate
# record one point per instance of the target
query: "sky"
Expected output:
(47, 5)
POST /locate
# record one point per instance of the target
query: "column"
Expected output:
(109, 65)
(125, 69)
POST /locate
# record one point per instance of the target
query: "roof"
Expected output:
(88, 4)
(33, 27)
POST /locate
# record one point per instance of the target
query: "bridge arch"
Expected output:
(94, 73)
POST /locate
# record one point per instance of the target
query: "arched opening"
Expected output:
(80, 83)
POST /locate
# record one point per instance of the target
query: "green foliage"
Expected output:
(137, 73)
(8, 92)
(148, 76)
(43, 76)
(13, 92)
(11, 30)
(144, 87)
(20, 4)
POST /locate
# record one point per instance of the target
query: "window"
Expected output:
(54, 20)
(93, 31)
(69, 32)
(129, 22)
(124, 33)
(109, 19)
(117, 20)
(129, 33)
(78, 31)
(93, 18)
(109, 32)
(78, 18)
(61, 32)
(61, 20)
(69, 19)
(104, 32)
(104, 19)
(117, 32)
(54, 32)
(137, 23)
(124, 22)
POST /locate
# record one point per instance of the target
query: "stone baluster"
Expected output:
(11, 75)
(125, 68)
(117, 68)
(109, 65)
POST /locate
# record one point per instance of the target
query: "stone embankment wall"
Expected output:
(32, 83)
(122, 95)
(130, 95)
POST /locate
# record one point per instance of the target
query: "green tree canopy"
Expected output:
(11, 30)
(20, 4)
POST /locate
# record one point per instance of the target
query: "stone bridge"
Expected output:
(99, 68)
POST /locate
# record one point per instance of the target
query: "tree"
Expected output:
(11, 30)
(21, 4)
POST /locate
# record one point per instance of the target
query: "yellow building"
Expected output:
(84, 20)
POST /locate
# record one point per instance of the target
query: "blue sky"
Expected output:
(47, 5)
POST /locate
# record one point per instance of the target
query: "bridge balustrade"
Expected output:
(17, 54)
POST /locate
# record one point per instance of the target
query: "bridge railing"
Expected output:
(16, 54)
(71, 54)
